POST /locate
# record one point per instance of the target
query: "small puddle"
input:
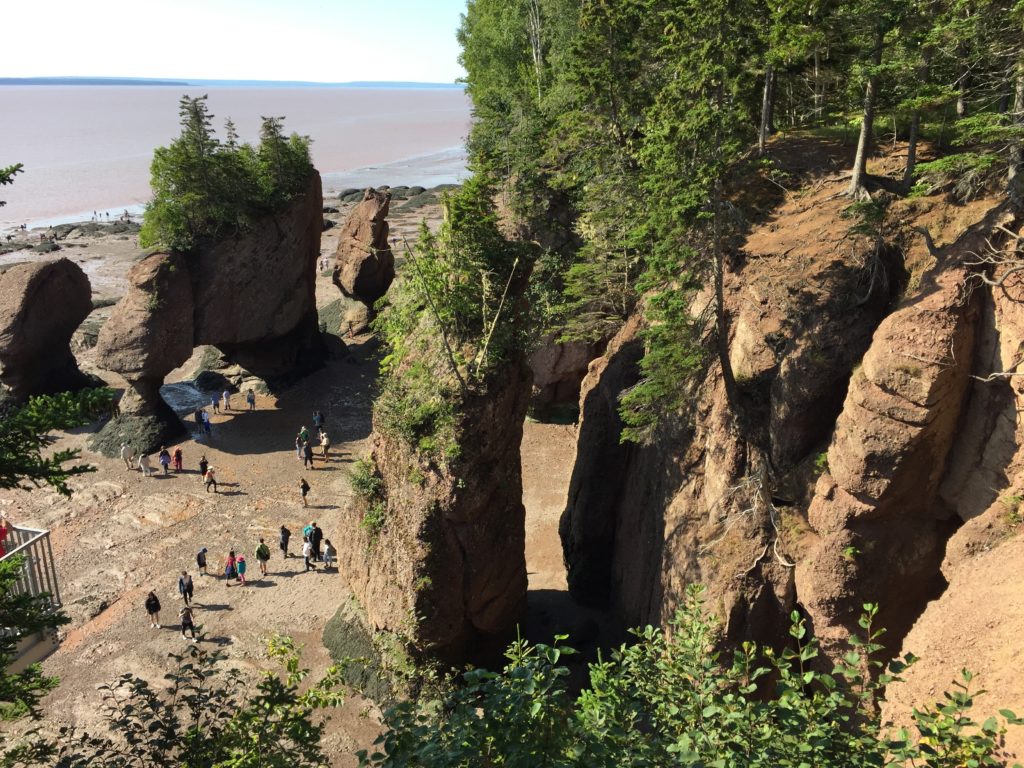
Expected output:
(184, 397)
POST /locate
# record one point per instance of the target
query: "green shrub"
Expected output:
(206, 189)
(374, 519)
(367, 484)
(672, 699)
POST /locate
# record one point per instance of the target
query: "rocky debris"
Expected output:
(364, 263)
(251, 296)
(558, 371)
(446, 568)
(41, 306)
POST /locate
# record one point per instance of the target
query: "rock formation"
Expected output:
(41, 306)
(252, 296)
(826, 356)
(558, 371)
(446, 570)
(364, 264)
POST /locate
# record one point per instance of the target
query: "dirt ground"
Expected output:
(121, 534)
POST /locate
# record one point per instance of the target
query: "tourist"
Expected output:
(307, 455)
(127, 456)
(230, 568)
(187, 622)
(325, 446)
(206, 424)
(179, 459)
(262, 556)
(298, 447)
(241, 565)
(318, 420)
(211, 479)
(316, 535)
(5, 528)
(165, 458)
(303, 489)
(144, 465)
(215, 404)
(185, 587)
(203, 466)
(153, 609)
(226, 396)
(304, 435)
(201, 561)
(307, 553)
(250, 398)
(199, 418)
(330, 554)
(282, 541)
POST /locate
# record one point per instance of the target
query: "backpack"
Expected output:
(262, 552)
(305, 487)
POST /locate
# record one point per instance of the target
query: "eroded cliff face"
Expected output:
(252, 296)
(858, 444)
(444, 568)
(41, 306)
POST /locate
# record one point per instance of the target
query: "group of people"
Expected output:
(235, 569)
(304, 445)
(217, 403)
(165, 458)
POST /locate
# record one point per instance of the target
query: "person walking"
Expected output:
(303, 489)
(226, 397)
(325, 446)
(185, 587)
(250, 399)
(206, 424)
(307, 553)
(211, 479)
(282, 541)
(330, 554)
(153, 609)
(187, 622)
(201, 561)
(298, 447)
(240, 565)
(230, 568)
(164, 458)
(318, 420)
(179, 459)
(304, 435)
(262, 556)
(316, 535)
(144, 466)
(203, 466)
(215, 403)
(307, 456)
(127, 455)
(198, 416)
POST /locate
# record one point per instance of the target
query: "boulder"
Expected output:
(41, 306)
(364, 263)
(558, 370)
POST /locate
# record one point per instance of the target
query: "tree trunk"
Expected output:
(819, 88)
(1015, 174)
(856, 188)
(767, 106)
(915, 127)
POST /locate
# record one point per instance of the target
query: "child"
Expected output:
(240, 565)
(178, 459)
(153, 609)
(230, 571)
(329, 554)
(165, 458)
(187, 623)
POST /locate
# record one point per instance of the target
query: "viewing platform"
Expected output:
(38, 576)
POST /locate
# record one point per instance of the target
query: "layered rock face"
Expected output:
(252, 296)
(446, 570)
(41, 306)
(826, 356)
(558, 371)
(364, 264)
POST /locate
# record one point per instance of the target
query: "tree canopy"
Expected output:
(206, 189)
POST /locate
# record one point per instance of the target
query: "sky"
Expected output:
(316, 40)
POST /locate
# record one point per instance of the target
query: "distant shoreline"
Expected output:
(123, 81)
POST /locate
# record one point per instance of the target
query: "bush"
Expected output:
(366, 483)
(205, 189)
(673, 699)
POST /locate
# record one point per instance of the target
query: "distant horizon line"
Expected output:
(158, 81)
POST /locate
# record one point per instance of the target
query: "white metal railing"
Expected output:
(38, 574)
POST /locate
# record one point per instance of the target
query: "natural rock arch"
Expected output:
(252, 296)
